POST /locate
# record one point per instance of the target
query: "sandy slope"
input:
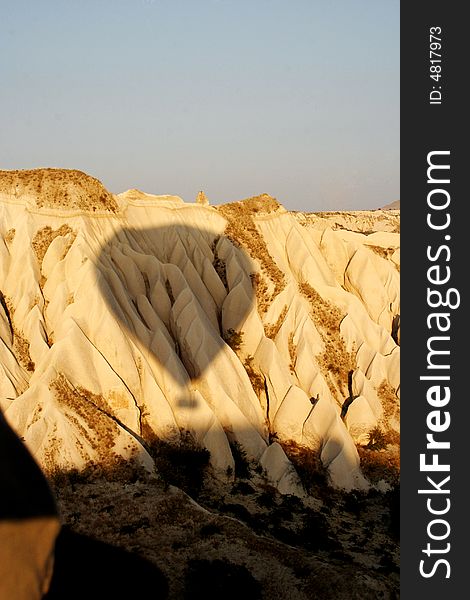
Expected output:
(133, 316)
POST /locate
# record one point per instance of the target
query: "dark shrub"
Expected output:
(266, 499)
(309, 467)
(182, 464)
(242, 464)
(244, 488)
(209, 530)
(234, 339)
(314, 534)
(239, 512)
(215, 579)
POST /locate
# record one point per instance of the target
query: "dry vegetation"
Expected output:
(182, 463)
(44, 237)
(388, 396)
(380, 463)
(262, 204)
(308, 464)
(385, 253)
(336, 360)
(234, 339)
(59, 188)
(380, 458)
(381, 251)
(20, 343)
(263, 297)
(256, 377)
(70, 299)
(271, 331)
(21, 349)
(91, 416)
(332, 546)
(242, 231)
(10, 236)
(292, 351)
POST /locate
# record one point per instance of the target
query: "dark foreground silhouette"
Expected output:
(87, 568)
(31, 551)
(29, 522)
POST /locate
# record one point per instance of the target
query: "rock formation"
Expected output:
(133, 317)
(201, 198)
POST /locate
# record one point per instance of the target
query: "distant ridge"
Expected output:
(392, 206)
(57, 188)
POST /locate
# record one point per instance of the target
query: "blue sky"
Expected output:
(295, 98)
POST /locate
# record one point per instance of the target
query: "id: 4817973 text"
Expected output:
(435, 64)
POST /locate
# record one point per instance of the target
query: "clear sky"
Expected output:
(295, 98)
